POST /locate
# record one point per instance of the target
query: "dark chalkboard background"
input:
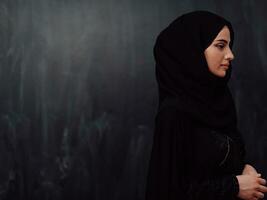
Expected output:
(78, 93)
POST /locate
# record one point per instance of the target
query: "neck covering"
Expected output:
(182, 71)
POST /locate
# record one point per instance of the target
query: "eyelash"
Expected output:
(220, 46)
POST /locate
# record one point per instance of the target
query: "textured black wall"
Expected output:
(78, 93)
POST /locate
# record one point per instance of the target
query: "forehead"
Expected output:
(224, 34)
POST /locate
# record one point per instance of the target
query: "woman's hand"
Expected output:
(248, 169)
(251, 186)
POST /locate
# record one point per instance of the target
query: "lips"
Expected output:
(225, 66)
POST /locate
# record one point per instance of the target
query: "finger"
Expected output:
(262, 188)
(254, 198)
(262, 181)
(255, 175)
(259, 195)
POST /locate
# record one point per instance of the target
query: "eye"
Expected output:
(220, 46)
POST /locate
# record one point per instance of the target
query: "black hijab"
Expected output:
(182, 71)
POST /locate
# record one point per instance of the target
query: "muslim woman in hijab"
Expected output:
(198, 152)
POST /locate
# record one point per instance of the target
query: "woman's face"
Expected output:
(218, 55)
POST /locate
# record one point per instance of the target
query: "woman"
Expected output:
(198, 152)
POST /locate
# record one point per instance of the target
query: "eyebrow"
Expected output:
(222, 40)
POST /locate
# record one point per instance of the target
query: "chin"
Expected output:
(221, 74)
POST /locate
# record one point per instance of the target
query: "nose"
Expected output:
(229, 55)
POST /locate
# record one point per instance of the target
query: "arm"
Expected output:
(226, 187)
(247, 163)
(166, 177)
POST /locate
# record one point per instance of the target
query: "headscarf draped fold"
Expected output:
(182, 71)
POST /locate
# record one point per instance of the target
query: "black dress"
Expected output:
(192, 162)
(197, 149)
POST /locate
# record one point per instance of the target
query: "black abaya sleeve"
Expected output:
(168, 166)
(245, 159)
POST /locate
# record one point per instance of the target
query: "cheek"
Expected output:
(215, 60)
